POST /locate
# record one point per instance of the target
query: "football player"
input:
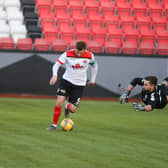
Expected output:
(153, 95)
(74, 79)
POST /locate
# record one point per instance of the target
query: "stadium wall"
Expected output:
(29, 73)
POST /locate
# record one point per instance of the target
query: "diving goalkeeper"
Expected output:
(153, 95)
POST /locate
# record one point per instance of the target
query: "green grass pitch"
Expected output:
(106, 135)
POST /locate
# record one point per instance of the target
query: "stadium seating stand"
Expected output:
(162, 41)
(7, 43)
(41, 44)
(94, 46)
(59, 45)
(24, 44)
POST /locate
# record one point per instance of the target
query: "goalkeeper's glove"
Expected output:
(138, 106)
(124, 97)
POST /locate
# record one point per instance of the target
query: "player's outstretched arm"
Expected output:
(125, 95)
(141, 107)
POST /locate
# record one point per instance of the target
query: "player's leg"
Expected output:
(61, 97)
(58, 108)
(57, 111)
(74, 100)
(70, 108)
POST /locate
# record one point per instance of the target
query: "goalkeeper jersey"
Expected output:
(76, 67)
(157, 98)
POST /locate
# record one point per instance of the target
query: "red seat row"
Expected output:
(138, 7)
(130, 45)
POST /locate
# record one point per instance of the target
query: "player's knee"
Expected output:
(73, 109)
(59, 103)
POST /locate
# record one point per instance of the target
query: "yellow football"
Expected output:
(67, 124)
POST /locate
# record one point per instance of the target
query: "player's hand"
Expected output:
(124, 98)
(91, 84)
(53, 80)
(138, 106)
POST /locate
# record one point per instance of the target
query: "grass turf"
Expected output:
(106, 135)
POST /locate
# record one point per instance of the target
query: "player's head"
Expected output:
(80, 48)
(149, 83)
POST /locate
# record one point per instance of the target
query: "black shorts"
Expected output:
(71, 91)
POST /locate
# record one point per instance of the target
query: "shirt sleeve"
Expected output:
(165, 79)
(61, 60)
(92, 61)
(94, 69)
(137, 81)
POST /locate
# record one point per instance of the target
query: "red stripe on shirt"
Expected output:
(60, 62)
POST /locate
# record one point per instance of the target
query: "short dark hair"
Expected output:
(152, 80)
(80, 45)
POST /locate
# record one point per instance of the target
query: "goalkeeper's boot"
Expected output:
(52, 128)
(67, 112)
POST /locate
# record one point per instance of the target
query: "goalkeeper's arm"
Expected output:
(125, 95)
(141, 107)
(133, 83)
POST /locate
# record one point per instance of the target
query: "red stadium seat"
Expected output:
(107, 8)
(162, 48)
(147, 35)
(154, 8)
(76, 7)
(147, 45)
(115, 35)
(162, 36)
(95, 20)
(59, 45)
(112, 47)
(44, 11)
(91, 7)
(60, 6)
(62, 17)
(50, 34)
(127, 21)
(139, 8)
(94, 46)
(111, 22)
(143, 22)
(165, 7)
(162, 39)
(41, 45)
(66, 33)
(82, 33)
(25, 44)
(99, 34)
(131, 35)
(105, 0)
(147, 48)
(43, 6)
(123, 8)
(129, 47)
(78, 19)
(48, 19)
(159, 23)
(7, 43)
(131, 40)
